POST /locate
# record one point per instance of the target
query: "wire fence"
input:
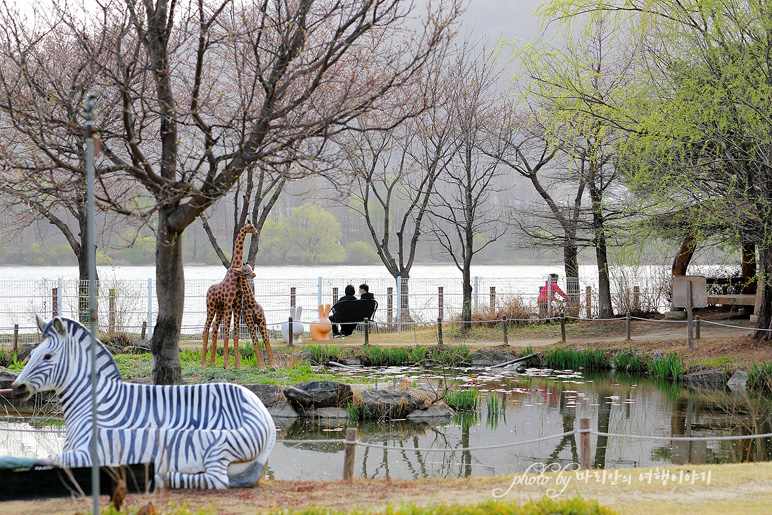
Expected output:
(129, 305)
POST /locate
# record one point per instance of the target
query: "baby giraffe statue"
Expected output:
(253, 314)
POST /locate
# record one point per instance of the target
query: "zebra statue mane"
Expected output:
(212, 435)
(76, 337)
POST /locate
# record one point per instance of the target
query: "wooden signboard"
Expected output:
(690, 291)
(699, 291)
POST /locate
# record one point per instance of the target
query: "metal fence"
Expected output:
(127, 305)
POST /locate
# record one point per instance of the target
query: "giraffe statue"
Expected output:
(221, 299)
(254, 315)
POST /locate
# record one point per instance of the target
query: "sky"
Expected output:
(499, 19)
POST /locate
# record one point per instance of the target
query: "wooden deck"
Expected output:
(732, 300)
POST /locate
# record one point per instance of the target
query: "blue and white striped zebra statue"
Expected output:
(199, 436)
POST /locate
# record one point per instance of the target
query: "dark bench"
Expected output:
(350, 313)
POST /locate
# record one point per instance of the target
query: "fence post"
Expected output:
(563, 328)
(439, 331)
(15, 338)
(440, 302)
(493, 297)
(584, 443)
(367, 331)
(476, 290)
(149, 307)
(111, 309)
(588, 301)
(504, 328)
(319, 290)
(290, 334)
(390, 307)
(55, 301)
(627, 327)
(399, 304)
(334, 294)
(59, 292)
(697, 327)
(348, 459)
(293, 291)
(636, 299)
(144, 330)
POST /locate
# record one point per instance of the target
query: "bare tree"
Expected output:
(394, 174)
(205, 90)
(466, 213)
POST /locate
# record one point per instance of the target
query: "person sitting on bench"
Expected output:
(348, 296)
(364, 292)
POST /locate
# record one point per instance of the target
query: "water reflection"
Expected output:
(537, 404)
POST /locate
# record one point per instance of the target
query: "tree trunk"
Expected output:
(405, 316)
(571, 266)
(684, 255)
(749, 267)
(765, 309)
(170, 291)
(84, 296)
(605, 310)
(466, 310)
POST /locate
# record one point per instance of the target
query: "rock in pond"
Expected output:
(488, 357)
(270, 394)
(704, 380)
(739, 381)
(318, 394)
(390, 404)
(432, 414)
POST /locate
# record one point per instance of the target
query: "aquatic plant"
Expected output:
(760, 377)
(559, 357)
(323, 354)
(671, 366)
(463, 400)
(496, 408)
(631, 362)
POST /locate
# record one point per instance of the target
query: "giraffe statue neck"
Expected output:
(238, 249)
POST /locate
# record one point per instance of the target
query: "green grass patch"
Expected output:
(375, 356)
(760, 377)
(671, 366)
(559, 357)
(463, 400)
(714, 362)
(631, 362)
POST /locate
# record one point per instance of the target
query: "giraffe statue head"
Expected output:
(238, 247)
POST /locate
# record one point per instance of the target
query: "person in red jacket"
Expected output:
(552, 289)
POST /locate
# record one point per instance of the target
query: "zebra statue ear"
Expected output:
(41, 323)
(58, 325)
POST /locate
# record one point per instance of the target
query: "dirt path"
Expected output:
(717, 489)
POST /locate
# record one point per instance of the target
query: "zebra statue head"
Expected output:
(61, 359)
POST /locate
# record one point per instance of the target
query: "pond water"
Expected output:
(538, 404)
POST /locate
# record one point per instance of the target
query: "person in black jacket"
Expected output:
(348, 296)
(364, 292)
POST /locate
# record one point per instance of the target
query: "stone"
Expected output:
(7, 378)
(488, 357)
(675, 315)
(390, 404)
(282, 410)
(438, 411)
(352, 362)
(704, 380)
(270, 394)
(318, 394)
(738, 381)
(658, 354)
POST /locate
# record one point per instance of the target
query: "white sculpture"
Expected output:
(297, 327)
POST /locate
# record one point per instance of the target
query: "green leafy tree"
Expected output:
(316, 233)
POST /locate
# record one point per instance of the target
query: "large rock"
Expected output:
(7, 378)
(432, 414)
(704, 380)
(658, 354)
(739, 381)
(318, 394)
(282, 410)
(391, 404)
(488, 357)
(270, 394)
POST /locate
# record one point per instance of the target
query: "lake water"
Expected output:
(538, 405)
(26, 291)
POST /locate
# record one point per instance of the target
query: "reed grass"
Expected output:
(565, 358)
(463, 400)
(671, 366)
(631, 362)
(760, 377)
